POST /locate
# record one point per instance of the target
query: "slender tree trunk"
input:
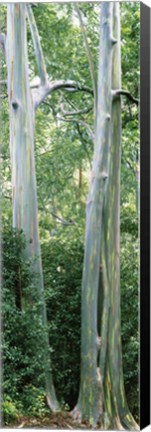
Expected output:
(115, 405)
(88, 404)
(25, 215)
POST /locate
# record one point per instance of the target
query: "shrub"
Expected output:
(23, 341)
(11, 412)
(34, 401)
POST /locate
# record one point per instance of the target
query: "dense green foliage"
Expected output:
(63, 152)
(130, 335)
(63, 260)
(23, 342)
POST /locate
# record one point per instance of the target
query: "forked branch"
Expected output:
(42, 92)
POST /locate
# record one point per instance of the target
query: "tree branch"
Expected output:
(126, 93)
(83, 141)
(64, 222)
(37, 46)
(72, 113)
(60, 219)
(130, 166)
(88, 52)
(46, 152)
(80, 122)
(69, 102)
(43, 91)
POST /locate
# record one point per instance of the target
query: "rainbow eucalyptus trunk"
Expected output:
(102, 396)
(89, 398)
(115, 406)
(22, 157)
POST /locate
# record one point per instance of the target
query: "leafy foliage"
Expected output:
(129, 313)
(63, 261)
(23, 341)
(11, 410)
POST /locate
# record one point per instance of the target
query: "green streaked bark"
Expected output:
(102, 395)
(89, 399)
(25, 215)
(115, 405)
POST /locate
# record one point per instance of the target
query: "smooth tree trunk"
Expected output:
(102, 396)
(116, 413)
(25, 214)
(89, 397)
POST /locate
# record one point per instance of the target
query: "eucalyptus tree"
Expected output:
(102, 394)
(22, 156)
(23, 102)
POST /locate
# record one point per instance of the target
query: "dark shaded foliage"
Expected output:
(62, 261)
(23, 342)
(23, 383)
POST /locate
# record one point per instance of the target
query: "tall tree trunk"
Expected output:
(25, 215)
(102, 395)
(115, 405)
(88, 405)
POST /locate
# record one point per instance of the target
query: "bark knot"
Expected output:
(15, 104)
(114, 41)
(104, 175)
